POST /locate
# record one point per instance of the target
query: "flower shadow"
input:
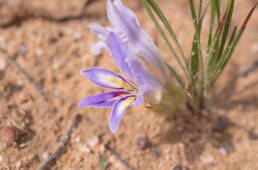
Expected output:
(230, 96)
(195, 132)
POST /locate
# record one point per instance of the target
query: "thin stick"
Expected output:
(249, 69)
(62, 145)
(112, 151)
(24, 74)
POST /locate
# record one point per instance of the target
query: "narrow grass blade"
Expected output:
(200, 9)
(219, 64)
(228, 46)
(162, 17)
(235, 42)
(193, 12)
(194, 61)
(174, 73)
(146, 5)
(229, 12)
(196, 55)
(217, 6)
(214, 10)
(213, 48)
(240, 33)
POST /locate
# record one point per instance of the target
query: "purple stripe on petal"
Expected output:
(118, 112)
(107, 79)
(101, 100)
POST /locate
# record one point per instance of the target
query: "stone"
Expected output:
(55, 9)
(13, 10)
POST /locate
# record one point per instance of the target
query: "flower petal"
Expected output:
(120, 53)
(101, 100)
(97, 47)
(118, 112)
(107, 79)
(126, 12)
(121, 21)
(127, 63)
(99, 31)
(127, 27)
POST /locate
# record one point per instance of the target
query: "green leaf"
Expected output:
(214, 9)
(217, 6)
(233, 41)
(194, 61)
(200, 9)
(212, 52)
(228, 46)
(196, 52)
(229, 12)
(103, 163)
(217, 68)
(191, 3)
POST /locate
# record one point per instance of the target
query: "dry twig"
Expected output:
(62, 145)
(24, 74)
(112, 151)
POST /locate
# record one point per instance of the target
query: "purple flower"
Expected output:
(136, 56)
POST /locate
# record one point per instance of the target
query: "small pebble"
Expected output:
(143, 143)
(76, 36)
(60, 34)
(18, 164)
(22, 145)
(220, 124)
(167, 157)
(207, 159)
(255, 47)
(2, 41)
(3, 64)
(9, 135)
(2, 38)
(94, 141)
(119, 165)
(38, 52)
(222, 151)
(180, 167)
(22, 49)
(156, 152)
(78, 139)
(45, 155)
(56, 64)
(179, 128)
(85, 149)
(244, 120)
(102, 148)
(160, 165)
(226, 149)
(52, 40)
(1, 158)
(252, 135)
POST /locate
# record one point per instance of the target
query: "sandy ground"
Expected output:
(53, 52)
